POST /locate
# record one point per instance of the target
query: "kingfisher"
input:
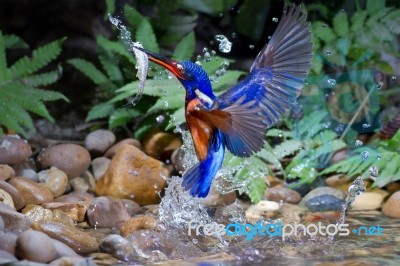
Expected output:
(238, 118)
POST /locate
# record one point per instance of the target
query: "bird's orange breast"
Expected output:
(200, 129)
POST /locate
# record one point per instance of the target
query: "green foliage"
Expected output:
(384, 156)
(356, 41)
(20, 84)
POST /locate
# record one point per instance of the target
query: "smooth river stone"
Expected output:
(35, 246)
(32, 192)
(13, 220)
(78, 240)
(13, 149)
(18, 200)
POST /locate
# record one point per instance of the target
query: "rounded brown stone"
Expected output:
(13, 149)
(18, 200)
(282, 193)
(74, 210)
(6, 198)
(32, 192)
(78, 240)
(55, 180)
(134, 224)
(98, 141)
(392, 206)
(6, 172)
(161, 145)
(70, 158)
(35, 246)
(133, 175)
(115, 148)
(13, 220)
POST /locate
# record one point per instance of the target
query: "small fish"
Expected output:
(142, 65)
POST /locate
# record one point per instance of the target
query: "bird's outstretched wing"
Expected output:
(273, 84)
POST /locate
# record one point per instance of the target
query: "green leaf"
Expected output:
(341, 24)
(168, 102)
(100, 111)
(122, 116)
(323, 31)
(185, 48)
(132, 16)
(145, 35)
(110, 4)
(115, 47)
(40, 58)
(256, 189)
(287, 148)
(4, 73)
(358, 20)
(89, 70)
(229, 79)
(210, 7)
(373, 5)
(13, 41)
(43, 79)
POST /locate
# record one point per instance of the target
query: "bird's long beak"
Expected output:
(163, 61)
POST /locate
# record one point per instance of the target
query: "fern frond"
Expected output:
(115, 47)
(40, 57)
(89, 70)
(13, 41)
(256, 189)
(122, 116)
(4, 73)
(43, 79)
(185, 48)
(111, 67)
(145, 35)
(100, 111)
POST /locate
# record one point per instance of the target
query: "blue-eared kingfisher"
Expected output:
(238, 118)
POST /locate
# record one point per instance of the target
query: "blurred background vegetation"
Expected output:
(63, 62)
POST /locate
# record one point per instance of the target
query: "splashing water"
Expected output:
(225, 45)
(141, 58)
(355, 190)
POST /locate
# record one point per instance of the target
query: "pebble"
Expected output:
(370, 200)
(133, 224)
(72, 159)
(29, 174)
(76, 197)
(98, 141)
(324, 191)
(132, 207)
(75, 210)
(55, 180)
(107, 212)
(263, 209)
(61, 217)
(114, 149)
(292, 213)
(392, 187)
(8, 241)
(336, 180)
(13, 149)
(37, 213)
(63, 250)
(119, 247)
(391, 208)
(2, 226)
(6, 198)
(177, 160)
(133, 175)
(339, 156)
(32, 192)
(79, 184)
(323, 203)
(160, 144)
(149, 240)
(90, 180)
(79, 241)
(282, 193)
(100, 166)
(13, 220)
(6, 172)
(7, 258)
(76, 261)
(35, 246)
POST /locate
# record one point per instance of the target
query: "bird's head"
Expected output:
(192, 76)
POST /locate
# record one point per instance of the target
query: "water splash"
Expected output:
(225, 45)
(355, 190)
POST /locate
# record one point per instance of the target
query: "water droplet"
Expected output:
(160, 119)
(328, 52)
(275, 19)
(224, 44)
(251, 46)
(374, 171)
(324, 25)
(364, 155)
(359, 143)
(332, 82)
(221, 15)
(269, 37)
(365, 125)
(198, 57)
(234, 35)
(213, 52)
(207, 57)
(378, 156)
(394, 78)
(166, 104)
(205, 49)
(134, 173)
(198, 63)
(379, 85)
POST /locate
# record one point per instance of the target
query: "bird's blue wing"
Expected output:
(275, 81)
